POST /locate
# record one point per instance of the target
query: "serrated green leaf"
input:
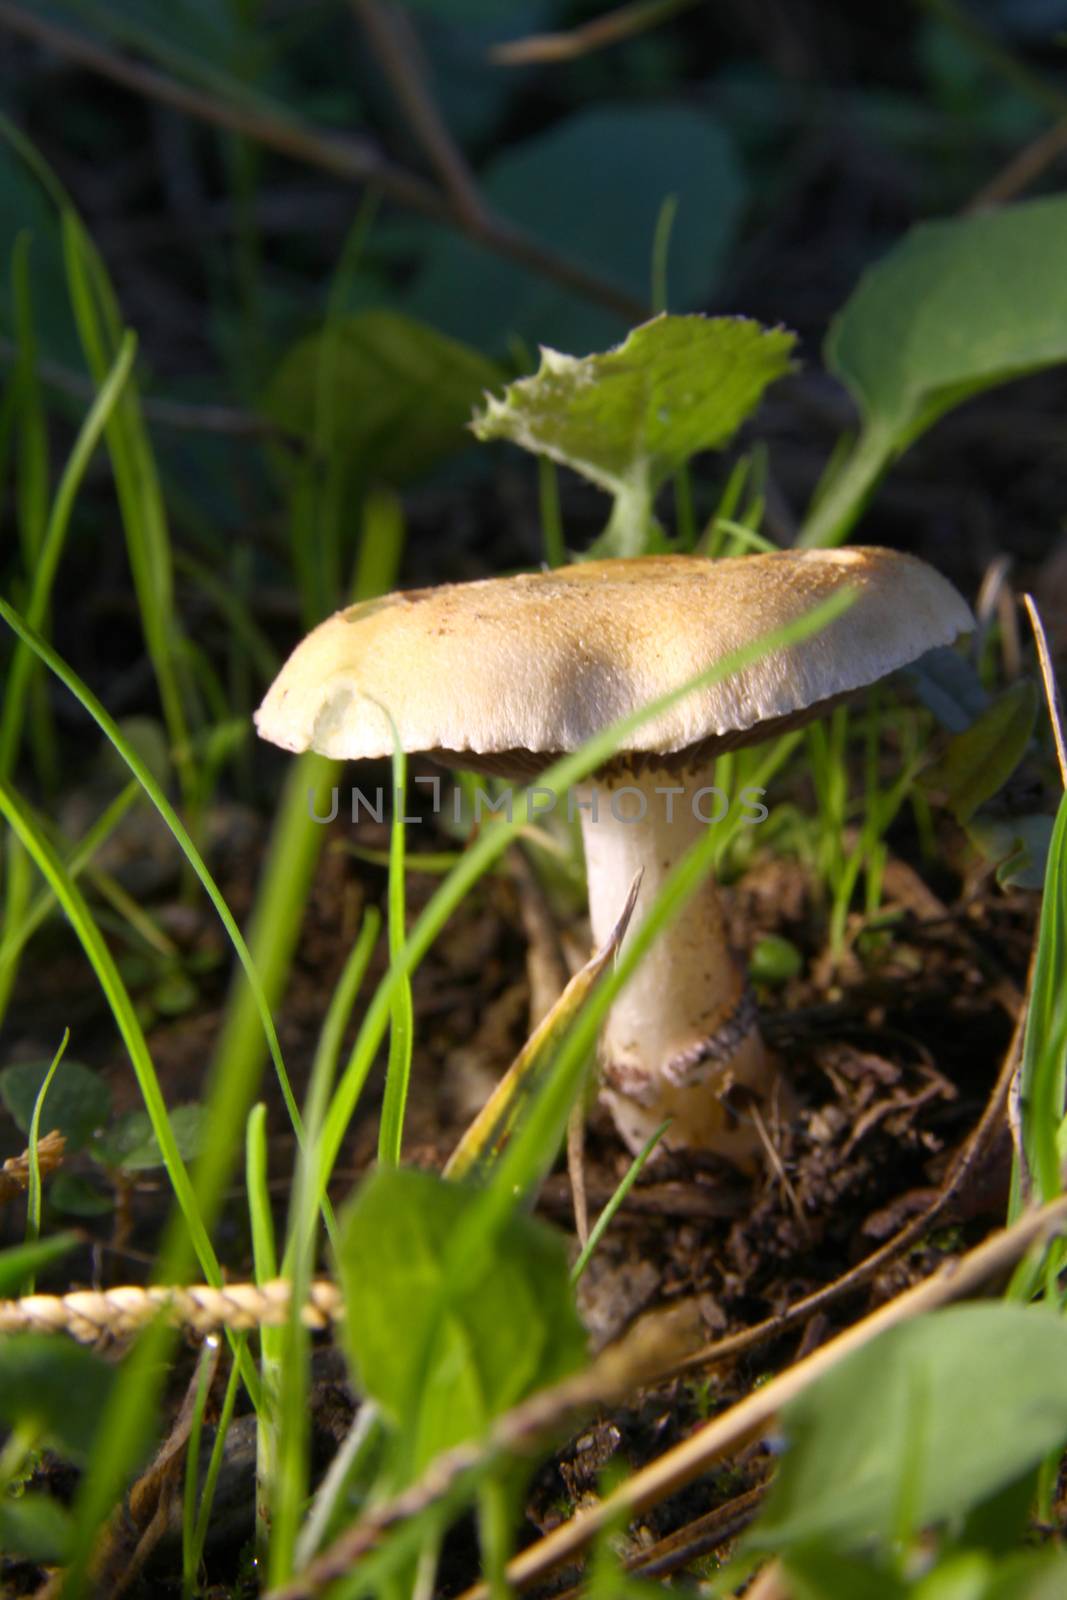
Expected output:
(78, 1101)
(628, 418)
(399, 393)
(930, 1414)
(443, 1361)
(980, 760)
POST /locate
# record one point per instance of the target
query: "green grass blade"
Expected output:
(33, 1197)
(603, 1222)
(102, 962)
(137, 485)
(264, 1254)
(236, 1091)
(15, 938)
(401, 1028)
(289, 1345)
(1042, 1074)
(51, 548)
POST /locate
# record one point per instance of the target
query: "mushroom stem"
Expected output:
(682, 1038)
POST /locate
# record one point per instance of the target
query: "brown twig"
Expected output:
(610, 28)
(392, 41)
(960, 1173)
(645, 1356)
(168, 413)
(685, 1545)
(617, 1371)
(751, 1416)
(15, 1172)
(354, 160)
(1024, 168)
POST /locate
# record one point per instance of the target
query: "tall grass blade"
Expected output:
(231, 1095)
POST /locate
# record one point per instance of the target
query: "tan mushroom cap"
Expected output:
(534, 665)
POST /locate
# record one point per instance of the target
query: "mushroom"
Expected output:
(507, 674)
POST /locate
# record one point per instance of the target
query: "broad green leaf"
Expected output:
(1030, 1575)
(627, 419)
(131, 1145)
(930, 1416)
(54, 1387)
(35, 1527)
(823, 1572)
(957, 307)
(592, 187)
(440, 1360)
(77, 1103)
(980, 760)
(962, 1575)
(398, 393)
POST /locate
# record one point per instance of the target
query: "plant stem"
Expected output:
(831, 519)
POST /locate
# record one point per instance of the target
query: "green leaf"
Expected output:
(442, 1359)
(78, 1101)
(131, 1144)
(957, 307)
(627, 419)
(926, 1420)
(948, 686)
(76, 1195)
(35, 1527)
(24, 1260)
(54, 1388)
(821, 1572)
(592, 187)
(1030, 1575)
(1019, 846)
(961, 1575)
(399, 393)
(980, 760)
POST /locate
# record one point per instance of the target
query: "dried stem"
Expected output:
(392, 41)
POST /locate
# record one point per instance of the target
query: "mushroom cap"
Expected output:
(507, 673)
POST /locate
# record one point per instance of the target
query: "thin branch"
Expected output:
(1024, 168)
(169, 413)
(752, 1416)
(644, 1356)
(353, 160)
(396, 49)
(610, 28)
